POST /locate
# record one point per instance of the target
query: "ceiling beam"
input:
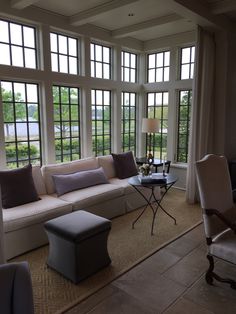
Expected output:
(200, 13)
(92, 14)
(21, 4)
(223, 6)
(128, 30)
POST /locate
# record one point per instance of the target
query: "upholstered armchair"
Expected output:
(219, 213)
(16, 295)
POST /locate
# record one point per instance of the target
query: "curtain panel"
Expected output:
(201, 132)
(2, 253)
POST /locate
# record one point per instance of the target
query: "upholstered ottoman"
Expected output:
(78, 244)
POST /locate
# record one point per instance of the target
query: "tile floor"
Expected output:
(171, 281)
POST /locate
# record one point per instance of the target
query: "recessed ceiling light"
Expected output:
(131, 14)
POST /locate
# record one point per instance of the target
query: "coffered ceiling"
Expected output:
(139, 19)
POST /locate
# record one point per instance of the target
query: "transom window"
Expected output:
(17, 45)
(158, 108)
(128, 67)
(64, 54)
(185, 101)
(100, 61)
(21, 118)
(66, 102)
(187, 63)
(128, 127)
(101, 121)
(158, 67)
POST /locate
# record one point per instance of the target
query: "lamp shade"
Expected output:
(150, 125)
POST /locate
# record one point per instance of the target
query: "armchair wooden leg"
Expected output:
(210, 275)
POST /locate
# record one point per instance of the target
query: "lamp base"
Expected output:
(150, 158)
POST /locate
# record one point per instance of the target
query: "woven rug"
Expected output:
(127, 247)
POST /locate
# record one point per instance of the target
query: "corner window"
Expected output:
(100, 61)
(128, 126)
(101, 121)
(158, 108)
(66, 123)
(187, 63)
(64, 54)
(17, 45)
(158, 67)
(21, 116)
(128, 67)
(185, 101)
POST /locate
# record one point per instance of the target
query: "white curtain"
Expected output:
(201, 133)
(2, 253)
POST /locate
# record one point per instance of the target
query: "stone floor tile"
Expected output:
(183, 306)
(152, 288)
(122, 303)
(91, 302)
(181, 246)
(189, 268)
(219, 298)
(160, 261)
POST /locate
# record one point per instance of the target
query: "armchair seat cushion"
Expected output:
(224, 246)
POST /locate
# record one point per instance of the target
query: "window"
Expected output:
(158, 67)
(64, 54)
(66, 123)
(101, 122)
(128, 67)
(128, 128)
(17, 45)
(21, 123)
(185, 101)
(100, 61)
(187, 63)
(158, 108)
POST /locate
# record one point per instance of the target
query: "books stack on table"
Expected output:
(154, 178)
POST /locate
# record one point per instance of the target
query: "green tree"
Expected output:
(65, 107)
(8, 108)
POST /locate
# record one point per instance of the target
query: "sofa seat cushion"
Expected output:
(32, 213)
(124, 184)
(92, 195)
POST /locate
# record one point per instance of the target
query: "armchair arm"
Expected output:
(226, 221)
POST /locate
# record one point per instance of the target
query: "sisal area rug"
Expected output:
(127, 248)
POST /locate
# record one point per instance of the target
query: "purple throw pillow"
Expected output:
(125, 165)
(65, 183)
(17, 187)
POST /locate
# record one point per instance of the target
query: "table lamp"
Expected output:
(150, 126)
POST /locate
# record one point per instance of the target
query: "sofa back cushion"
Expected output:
(64, 168)
(38, 180)
(65, 183)
(17, 187)
(107, 163)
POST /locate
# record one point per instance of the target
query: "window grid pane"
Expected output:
(158, 108)
(185, 101)
(158, 67)
(66, 102)
(128, 126)
(101, 122)
(100, 61)
(21, 116)
(187, 60)
(128, 67)
(17, 43)
(64, 54)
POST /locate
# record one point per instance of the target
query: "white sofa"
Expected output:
(23, 225)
